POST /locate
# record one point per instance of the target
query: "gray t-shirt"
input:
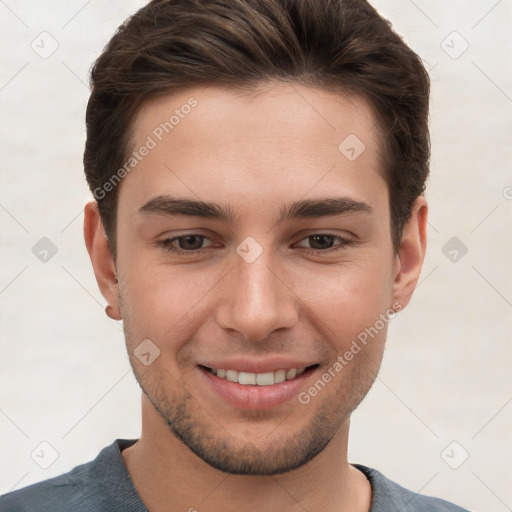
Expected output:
(104, 485)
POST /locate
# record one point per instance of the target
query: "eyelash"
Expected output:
(167, 244)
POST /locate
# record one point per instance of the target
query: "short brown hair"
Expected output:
(338, 45)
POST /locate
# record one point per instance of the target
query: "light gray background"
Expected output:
(64, 373)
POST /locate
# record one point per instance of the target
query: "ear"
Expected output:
(409, 260)
(101, 258)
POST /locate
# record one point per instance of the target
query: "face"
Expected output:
(253, 247)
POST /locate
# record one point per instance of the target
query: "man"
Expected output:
(258, 169)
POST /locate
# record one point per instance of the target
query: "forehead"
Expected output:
(273, 106)
(275, 139)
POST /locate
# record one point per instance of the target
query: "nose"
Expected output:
(257, 300)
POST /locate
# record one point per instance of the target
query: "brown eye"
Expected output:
(190, 243)
(325, 243)
(321, 242)
(187, 245)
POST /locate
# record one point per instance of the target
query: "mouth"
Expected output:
(256, 391)
(258, 379)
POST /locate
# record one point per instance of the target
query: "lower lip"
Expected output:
(256, 397)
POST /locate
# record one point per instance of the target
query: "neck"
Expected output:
(164, 471)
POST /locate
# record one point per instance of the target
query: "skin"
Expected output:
(253, 152)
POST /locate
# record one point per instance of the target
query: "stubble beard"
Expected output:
(285, 451)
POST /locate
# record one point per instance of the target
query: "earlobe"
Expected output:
(101, 258)
(411, 253)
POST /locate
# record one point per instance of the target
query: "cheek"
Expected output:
(159, 299)
(347, 300)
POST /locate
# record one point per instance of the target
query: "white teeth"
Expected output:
(279, 376)
(232, 375)
(247, 378)
(265, 379)
(258, 379)
(291, 374)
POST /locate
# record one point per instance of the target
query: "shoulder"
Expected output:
(56, 494)
(389, 496)
(93, 486)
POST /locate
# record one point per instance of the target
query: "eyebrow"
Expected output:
(303, 209)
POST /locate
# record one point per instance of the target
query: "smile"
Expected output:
(265, 389)
(257, 379)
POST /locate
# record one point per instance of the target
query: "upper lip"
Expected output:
(269, 364)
